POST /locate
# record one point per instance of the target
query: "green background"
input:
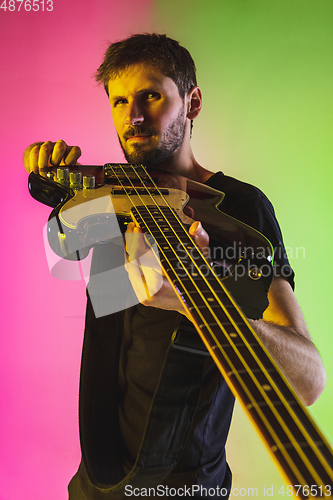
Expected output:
(265, 70)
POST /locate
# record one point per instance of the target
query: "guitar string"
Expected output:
(245, 321)
(242, 360)
(291, 412)
(238, 353)
(198, 290)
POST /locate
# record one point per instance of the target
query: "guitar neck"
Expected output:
(292, 438)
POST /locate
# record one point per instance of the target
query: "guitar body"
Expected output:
(217, 298)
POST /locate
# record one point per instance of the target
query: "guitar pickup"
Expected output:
(128, 179)
(139, 191)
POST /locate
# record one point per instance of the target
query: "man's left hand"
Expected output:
(145, 272)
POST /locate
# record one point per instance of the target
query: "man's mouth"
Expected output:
(138, 133)
(138, 137)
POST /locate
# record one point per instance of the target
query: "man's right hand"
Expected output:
(42, 155)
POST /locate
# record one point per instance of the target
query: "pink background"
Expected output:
(47, 92)
(266, 75)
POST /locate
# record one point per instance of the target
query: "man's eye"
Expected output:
(119, 101)
(153, 95)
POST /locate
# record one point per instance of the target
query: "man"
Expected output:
(151, 83)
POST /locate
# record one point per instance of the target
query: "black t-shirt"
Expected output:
(248, 204)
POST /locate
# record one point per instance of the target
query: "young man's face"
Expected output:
(148, 114)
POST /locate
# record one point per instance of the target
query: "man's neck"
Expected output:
(184, 164)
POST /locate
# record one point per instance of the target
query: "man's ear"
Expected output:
(194, 99)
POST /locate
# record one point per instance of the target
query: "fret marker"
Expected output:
(266, 387)
(210, 299)
(274, 448)
(233, 335)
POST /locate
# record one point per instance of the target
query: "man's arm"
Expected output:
(284, 332)
(282, 329)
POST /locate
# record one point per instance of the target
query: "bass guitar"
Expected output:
(87, 211)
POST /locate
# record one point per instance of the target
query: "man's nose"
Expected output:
(135, 115)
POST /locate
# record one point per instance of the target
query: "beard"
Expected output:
(170, 141)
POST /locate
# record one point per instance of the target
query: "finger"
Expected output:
(137, 280)
(130, 227)
(33, 159)
(129, 230)
(58, 152)
(150, 264)
(44, 155)
(200, 237)
(145, 280)
(127, 236)
(72, 154)
(135, 244)
(153, 282)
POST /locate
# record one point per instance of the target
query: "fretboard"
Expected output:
(296, 444)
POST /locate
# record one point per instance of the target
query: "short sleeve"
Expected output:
(250, 205)
(258, 212)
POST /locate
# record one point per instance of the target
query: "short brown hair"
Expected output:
(159, 51)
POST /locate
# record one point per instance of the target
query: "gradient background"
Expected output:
(265, 69)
